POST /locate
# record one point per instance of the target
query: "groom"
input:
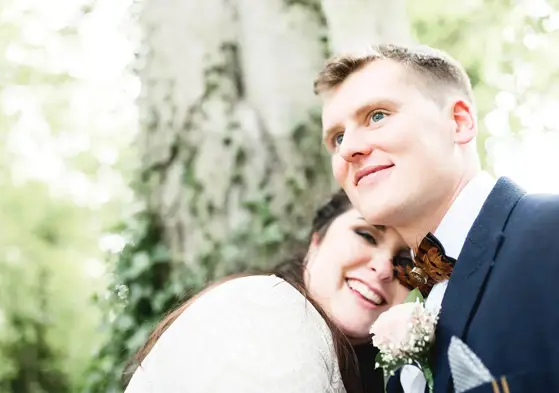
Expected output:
(401, 126)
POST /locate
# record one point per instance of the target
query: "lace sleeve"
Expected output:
(249, 335)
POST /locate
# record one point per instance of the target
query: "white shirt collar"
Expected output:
(458, 221)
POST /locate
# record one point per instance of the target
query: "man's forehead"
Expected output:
(330, 108)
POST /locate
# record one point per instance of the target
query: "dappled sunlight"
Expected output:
(69, 118)
(112, 243)
(531, 160)
(96, 102)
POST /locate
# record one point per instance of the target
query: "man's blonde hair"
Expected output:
(436, 72)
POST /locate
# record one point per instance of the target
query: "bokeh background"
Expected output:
(151, 146)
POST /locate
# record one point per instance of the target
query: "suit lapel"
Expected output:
(471, 272)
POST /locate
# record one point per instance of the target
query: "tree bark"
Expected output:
(232, 160)
(357, 24)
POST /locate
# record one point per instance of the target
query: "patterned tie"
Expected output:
(429, 266)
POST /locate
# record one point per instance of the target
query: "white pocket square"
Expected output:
(466, 368)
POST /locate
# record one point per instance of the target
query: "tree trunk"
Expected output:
(232, 162)
(357, 24)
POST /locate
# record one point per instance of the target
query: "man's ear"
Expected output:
(466, 129)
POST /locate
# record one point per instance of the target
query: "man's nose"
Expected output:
(354, 146)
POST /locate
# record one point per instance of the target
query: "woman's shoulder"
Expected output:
(261, 299)
(252, 290)
(250, 284)
(254, 333)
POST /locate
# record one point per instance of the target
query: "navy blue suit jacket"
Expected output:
(502, 299)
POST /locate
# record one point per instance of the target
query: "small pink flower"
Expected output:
(393, 327)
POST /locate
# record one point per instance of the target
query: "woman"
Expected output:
(297, 330)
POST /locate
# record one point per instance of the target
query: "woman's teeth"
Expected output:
(365, 291)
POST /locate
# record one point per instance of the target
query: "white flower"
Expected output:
(403, 335)
(403, 327)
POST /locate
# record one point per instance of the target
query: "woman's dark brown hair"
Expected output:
(292, 271)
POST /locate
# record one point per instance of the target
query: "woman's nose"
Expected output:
(381, 263)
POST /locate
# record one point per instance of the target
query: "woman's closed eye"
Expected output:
(367, 236)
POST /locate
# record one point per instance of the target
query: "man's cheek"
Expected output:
(339, 170)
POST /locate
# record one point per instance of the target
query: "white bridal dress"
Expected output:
(249, 335)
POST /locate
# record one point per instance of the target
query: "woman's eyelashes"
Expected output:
(367, 236)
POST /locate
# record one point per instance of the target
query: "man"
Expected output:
(401, 126)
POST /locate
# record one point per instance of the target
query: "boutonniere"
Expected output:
(404, 335)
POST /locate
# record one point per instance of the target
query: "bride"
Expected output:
(304, 328)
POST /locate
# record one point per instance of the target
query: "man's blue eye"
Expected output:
(339, 139)
(377, 116)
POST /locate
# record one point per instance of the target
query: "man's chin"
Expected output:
(375, 215)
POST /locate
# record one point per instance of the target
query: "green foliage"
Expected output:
(49, 247)
(43, 292)
(501, 44)
(147, 284)
(414, 296)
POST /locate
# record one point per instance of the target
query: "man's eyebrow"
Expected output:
(377, 103)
